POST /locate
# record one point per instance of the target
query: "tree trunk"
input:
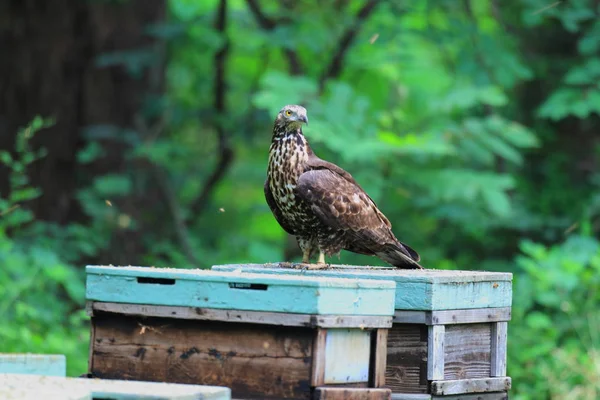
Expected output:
(49, 66)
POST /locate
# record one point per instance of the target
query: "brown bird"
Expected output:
(321, 204)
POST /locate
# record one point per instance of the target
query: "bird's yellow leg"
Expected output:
(321, 259)
(306, 255)
(320, 262)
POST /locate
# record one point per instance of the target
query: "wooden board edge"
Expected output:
(378, 363)
(91, 348)
(474, 396)
(435, 352)
(498, 349)
(330, 393)
(475, 385)
(256, 317)
(318, 360)
(449, 317)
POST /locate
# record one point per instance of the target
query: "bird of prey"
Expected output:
(321, 204)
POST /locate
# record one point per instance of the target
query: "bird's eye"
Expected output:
(288, 113)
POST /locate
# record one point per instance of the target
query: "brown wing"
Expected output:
(275, 210)
(343, 205)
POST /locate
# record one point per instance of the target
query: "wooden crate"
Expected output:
(35, 364)
(263, 336)
(35, 387)
(449, 332)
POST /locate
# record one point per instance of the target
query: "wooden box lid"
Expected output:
(15, 386)
(240, 291)
(422, 290)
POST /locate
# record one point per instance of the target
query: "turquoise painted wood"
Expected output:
(423, 290)
(36, 364)
(240, 291)
(13, 385)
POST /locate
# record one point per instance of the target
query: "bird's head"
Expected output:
(292, 116)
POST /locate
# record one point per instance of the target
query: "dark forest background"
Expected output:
(136, 132)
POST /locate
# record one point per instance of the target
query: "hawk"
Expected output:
(321, 204)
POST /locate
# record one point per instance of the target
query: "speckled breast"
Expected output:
(287, 161)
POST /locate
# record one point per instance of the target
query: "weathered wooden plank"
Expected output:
(329, 393)
(435, 352)
(318, 357)
(473, 396)
(36, 364)
(250, 359)
(498, 349)
(450, 317)
(240, 291)
(479, 396)
(378, 362)
(406, 370)
(256, 317)
(347, 356)
(462, 386)
(415, 289)
(410, 396)
(467, 351)
(16, 386)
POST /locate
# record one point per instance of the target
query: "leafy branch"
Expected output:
(269, 24)
(335, 66)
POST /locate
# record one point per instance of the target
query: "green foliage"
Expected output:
(40, 295)
(557, 320)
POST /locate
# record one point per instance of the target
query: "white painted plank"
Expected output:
(347, 356)
(435, 352)
(410, 396)
(498, 350)
(113, 389)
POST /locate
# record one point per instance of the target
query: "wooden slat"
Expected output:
(498, 349)
(467, 351)
(318, 361)
(474, 396)
(256, 317)
(462, 386)
(435, 352)
(378, 358)
(406, 370)
(328, 393)
(249, 359)
(410, 396)
(449, 317)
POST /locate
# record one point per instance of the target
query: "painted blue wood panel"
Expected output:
(36, 364)
(347, 354)
(424, 290)
(12, 385)
(240, 291)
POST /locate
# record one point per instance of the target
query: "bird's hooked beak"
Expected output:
(303, 118)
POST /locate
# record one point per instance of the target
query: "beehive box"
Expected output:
(449, 332)
(263, 336)
(34, 364)
(35, 387)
